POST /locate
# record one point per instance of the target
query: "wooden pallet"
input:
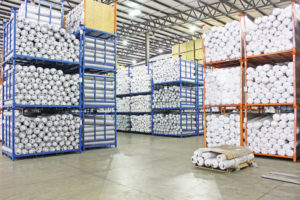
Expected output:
(229, 170)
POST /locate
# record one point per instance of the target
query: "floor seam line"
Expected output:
(269, 191)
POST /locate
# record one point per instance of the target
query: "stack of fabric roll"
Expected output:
(272, 134)
(204, 157)
(270, 83)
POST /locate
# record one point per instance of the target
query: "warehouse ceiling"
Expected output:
(168, 22)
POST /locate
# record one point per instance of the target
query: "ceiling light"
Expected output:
(134, 62)
(160, 50)
(192, 28)
(133, 13)
(125, 42)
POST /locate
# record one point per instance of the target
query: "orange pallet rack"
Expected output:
(221, 65)
(273, 58)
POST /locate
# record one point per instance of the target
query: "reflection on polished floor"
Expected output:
(142, 167)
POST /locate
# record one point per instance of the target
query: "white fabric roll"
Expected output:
(200, 161)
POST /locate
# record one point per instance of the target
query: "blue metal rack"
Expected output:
(8, 137)
(188, 108)
(106, 138)
(98, 57)
(134, 94)
(10, 57)
(149, 71)
(200, 82)
(51, 5)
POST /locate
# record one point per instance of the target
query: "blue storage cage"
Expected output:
(99, 129)
(9, 43)
(149, 71)
(98, 57)
(188, 108)
(9, 105)
(200, 81)
(8, 134)
(51, 5)
(130, 68)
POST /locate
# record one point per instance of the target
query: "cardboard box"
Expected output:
(99, 16)
(198, 43)
(175, 49)
(183, 56)
(190, 45)
(175, 56)
(199, 54)
(190, 55)
(183, 48)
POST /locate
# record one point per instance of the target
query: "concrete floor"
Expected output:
(142, 167)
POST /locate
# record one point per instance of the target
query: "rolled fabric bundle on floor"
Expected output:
(208, 162)
(225, 164)
(200, 161)
(207, 155)
(198, 152)
(215, 163)
(194, 159)
(221, 157)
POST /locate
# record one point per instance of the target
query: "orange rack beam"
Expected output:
(278, 156)
(271, 104)
(227, 105)
(270, 58)
(225, 63)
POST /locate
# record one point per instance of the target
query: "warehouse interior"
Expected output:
(149, 99)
